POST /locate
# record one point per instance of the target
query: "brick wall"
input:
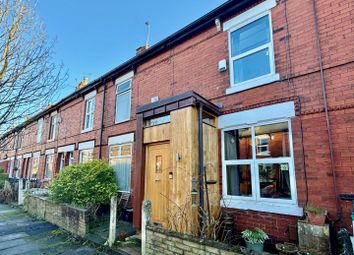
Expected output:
(72, 219)
(160, 241)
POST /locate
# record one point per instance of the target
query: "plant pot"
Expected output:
(316, 219)
(258, 247)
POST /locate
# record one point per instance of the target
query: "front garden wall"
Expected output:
(70, 218)
(160, 241)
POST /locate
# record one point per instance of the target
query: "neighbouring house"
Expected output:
(256, 96)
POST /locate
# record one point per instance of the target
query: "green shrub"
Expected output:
(84, 185)
(3, 178)
(2, 170)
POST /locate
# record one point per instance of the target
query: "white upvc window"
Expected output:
(39, 130)
(120, 158)
(251, 50)
(86, 155)
(70, 158)
(52, 127)
(123, 101)
(61, 161)
(35, 166)
(49, 167)
(89, 114)
(258, 166)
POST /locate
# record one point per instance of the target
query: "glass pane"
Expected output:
(114, 151)
(35, 164)
(49, 167)
(123, 107)
(251, 36)
(274, 180)
(239, 180)
(238, 144)
(123, 87)
(126, 150)
(272, 140)
(251, 66)
(158, 121)
(122, 170)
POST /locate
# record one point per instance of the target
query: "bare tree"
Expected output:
(29, 79)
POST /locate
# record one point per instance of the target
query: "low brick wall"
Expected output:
(70, 218)
(160, 241)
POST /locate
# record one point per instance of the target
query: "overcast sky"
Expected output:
(93, 37)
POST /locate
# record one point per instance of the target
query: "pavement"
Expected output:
(23, 234)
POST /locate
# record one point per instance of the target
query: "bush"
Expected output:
(84, 185)
(3, 177)
(2, 170)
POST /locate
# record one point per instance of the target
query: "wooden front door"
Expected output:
(157, 168)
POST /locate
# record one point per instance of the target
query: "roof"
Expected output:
(222, 12)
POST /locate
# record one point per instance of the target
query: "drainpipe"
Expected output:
(102, 118)
(325, 104)
(201, 162)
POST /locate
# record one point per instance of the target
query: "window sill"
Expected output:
(50, 140)
(121, 121)
(86, 130)
(277, 208)
(253, 83)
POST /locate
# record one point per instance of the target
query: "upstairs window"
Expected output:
(89, 114)
(39, 130)
(123, 101)
(52, 127)
(251, 51)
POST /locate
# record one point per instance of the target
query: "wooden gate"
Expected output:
(158, 166)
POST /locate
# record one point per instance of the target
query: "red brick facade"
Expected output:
(192, 65)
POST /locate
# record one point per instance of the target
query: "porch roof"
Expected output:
(183, 100)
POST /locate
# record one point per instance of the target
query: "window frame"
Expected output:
(120, 145)
(257, 12)
(40, 123)
(52, 127)
(82, 151)
(88, 114)
(256, 202)
(45, 166)
(130, 80)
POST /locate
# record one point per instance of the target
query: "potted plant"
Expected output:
(254, 239)
(316, 215)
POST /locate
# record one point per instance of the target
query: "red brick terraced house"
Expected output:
(276, 79)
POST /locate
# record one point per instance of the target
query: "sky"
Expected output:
(93, 37)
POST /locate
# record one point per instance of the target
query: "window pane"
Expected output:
(238, 144)
(251, 66)
(123, 87)
(239, 180)
(122, 170)
(274, 180)
(123, 107)
(272, 140)
(86, 156)
(126, 150)
(251, 36)
(48, 167)
(35, 164)
(158, 121)
(114, 151)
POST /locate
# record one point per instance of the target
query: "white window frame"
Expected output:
(240, 21)
(52, 127)
(61, 161)
(81, 153)
(45, 166)
(120, 145)
(39, 130)
(129, 91)
(71, 158)
(36, 156)
(89, 116)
